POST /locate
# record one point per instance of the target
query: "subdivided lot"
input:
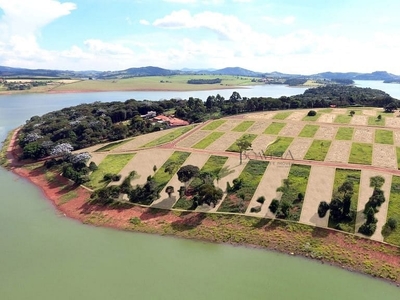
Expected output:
(259, 126)
(282, 115)
(112, 164)
(112, 146)
(312, 118)
(344, 133)
(363, 135)
(279, 146)
(376, 121)
(361, 153)
(242, 127)
(392, 236)
(318, 150)
(214, 125)
(384, 136)
(238, 198)
(359, 120)
(234, 147)
(342, 175)
(208, 140)
(384, 156)
(309, 130)
(169, 137)
(193, 138)
(274, 128)
(392, 121)
(325, 133)
(398, 157)
(343, 119)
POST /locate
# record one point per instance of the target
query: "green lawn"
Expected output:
(214, 125)
(279, 146)
(342, 119)
(318, 150)
(242, 127)
(398, 157)
(342, 175)
(112, 146)
(393, 236)
(312, 118)
(344, 133)
(325, 110)
(234, 148)
(356, 111)
(274, 128)
(361, 153)
(309, 130)
(213, 166)
(113, 164)
(169, 137)
(375, 121)
(384, 136)
(208, 140)
(237, 201)
(282, 115)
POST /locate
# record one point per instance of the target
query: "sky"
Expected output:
(289, 36)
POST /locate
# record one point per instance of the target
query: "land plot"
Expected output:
(208, 140)
(193, 138)
(396, 137)
(214, 124)
(384, 136)
(141, 140)
(325, 133)
(223, 142)
(319, 188)
(376, 121)
(318, 150)
(339, 151)
(297, 115)
(291, 129)
(169, 137)
(265, 115)
(384, 156)
(298, 148)
(274, 128)
(365, 193)
(238, 198)
(97, 158)
(369, 112)
(228, 125)
(279, 146)
(112, 146)
(282, 115)
(343, 119)
(393, 235)
(339, 111)
(308, 130)
(325, 110)
(363, 135)
(260, 144)
(312, 118)
(392, 122)
(361, 153)
(359, 120)
(259, 127)
(344, 133)
(248, 137)
(242, 127)
(327, 118)
(341, 176)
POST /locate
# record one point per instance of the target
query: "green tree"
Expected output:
(243, 144)
(187, 172)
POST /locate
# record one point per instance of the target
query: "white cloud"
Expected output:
(144, 22)
(285, 21)
(102, 48)
(181, 1)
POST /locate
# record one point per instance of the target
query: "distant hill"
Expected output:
(236, 71)
(377, 75)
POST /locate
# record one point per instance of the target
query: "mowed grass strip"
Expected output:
(279, 146)
(375, 121)
(342, 119)
(344, 133)
(242, 127)
(361, 153)
(342, 175)
(274, 128)
(214, 125)
(309, 130)
(312, 118)
(234, 148)
(282, 115)
(169, 137)
(318, 150)
(112, 146)
(384, 136)
(112, 163)
(393, 236)
(238, 200)
(398, 157)
(173, 163)
(208, 140)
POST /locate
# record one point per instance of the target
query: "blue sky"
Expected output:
(291, 36)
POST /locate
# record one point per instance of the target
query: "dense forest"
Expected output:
(88, 124)
(204, 81)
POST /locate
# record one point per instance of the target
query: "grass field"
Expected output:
(318, 150)
(238, 200)
(213, 166)
(312, 118)
(361, 153)
(375, 121)
(113, 164)
(112, 146)
(384, 136)
(342, 175)
(398, 157)
(282, 115)
(309, 130)
(214, 125)
(169, 137)
(279, 146)
(342, 119)
(242, 127)
(234, 148)
(344, 133)
(274, 128)
(325, 110)
(393, 236)
(208, 140)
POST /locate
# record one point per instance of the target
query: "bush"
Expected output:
(93, 166)
(255, 209)
(261, 200)
(323, 209)
(116, 177)
(135, 221)
(273, 207)
(392, 223)
(312, 113)
(367, 229)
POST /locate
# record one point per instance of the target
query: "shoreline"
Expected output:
(329, 247)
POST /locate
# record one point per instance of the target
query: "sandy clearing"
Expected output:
(259, 126)
(319, 188)
(297, 116)
(339, 111)
(299, 147)
(325, 133)
(327, 118)
(193, 138)
(369, 112)
(291, 129)
(392, 122)
(267, 115)
(97, 158)
(225, 141)
(396, 137)
(384, 156)
(196, 159)
(359, 120)
(260, 143)
(229, 125)
(364, 193)
(339, 151)
(141, 140)
(364, 135)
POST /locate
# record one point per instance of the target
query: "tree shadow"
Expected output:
(165, 203)
(319, 232)
(188, 223)
(152, 213)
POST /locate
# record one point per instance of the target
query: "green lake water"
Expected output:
(44, 255)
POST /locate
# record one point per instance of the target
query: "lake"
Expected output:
(44, 255)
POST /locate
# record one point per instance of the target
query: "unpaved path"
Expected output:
(319, 188)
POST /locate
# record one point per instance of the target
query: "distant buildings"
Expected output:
(170, 121)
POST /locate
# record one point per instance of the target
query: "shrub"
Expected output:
(323, 209)
(93, 166)
(312, 113)
(116, 177)
(273, 207)
(135, 221)
(107, 177)
(392, 223)
(367, 229)
(255, 209)
(261, 200)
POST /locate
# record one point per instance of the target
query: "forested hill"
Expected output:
(89, 124)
